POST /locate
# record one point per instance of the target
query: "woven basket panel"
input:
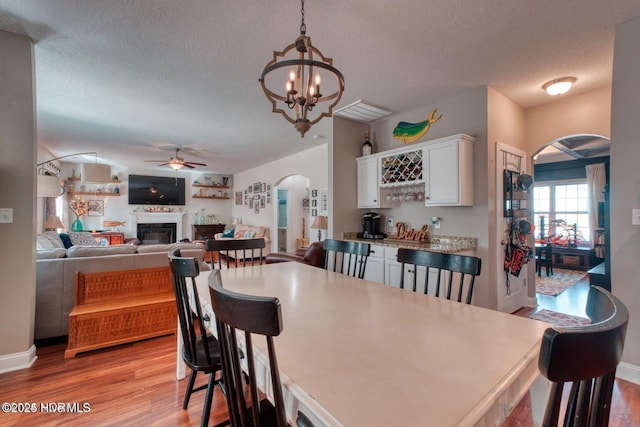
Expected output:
(123, 284)
(122, 325)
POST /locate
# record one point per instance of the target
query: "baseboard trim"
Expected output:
(17, 361)
(628, 372)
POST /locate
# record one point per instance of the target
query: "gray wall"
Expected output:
(17, 190)
(625, 180)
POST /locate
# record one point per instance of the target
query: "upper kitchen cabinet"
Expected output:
(449, 171)
(368, 182)
(441, 170)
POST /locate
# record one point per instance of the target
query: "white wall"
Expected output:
(312, 163)
(117, 208)
(465, 113)
(625, 182)
(17, 190)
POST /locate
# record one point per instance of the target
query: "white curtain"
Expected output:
(596, 182)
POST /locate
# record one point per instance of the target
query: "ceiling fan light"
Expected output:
(559, 86)
(176, 166)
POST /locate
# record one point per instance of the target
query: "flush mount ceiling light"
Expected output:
(295, 75)
(559, 86)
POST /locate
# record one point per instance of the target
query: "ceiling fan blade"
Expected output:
(164, 164)
(195, 163)
(186, 165)
(155, 160)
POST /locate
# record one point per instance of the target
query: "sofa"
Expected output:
(243, 231)
(56, 268)
(314, 255)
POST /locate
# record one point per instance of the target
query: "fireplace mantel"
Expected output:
(158, 217)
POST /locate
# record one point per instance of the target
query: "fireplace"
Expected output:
(159, 227)
(153, 233)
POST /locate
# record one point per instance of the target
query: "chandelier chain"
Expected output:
(303, 26)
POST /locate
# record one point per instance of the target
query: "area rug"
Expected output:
(558, 282)
(559, 319)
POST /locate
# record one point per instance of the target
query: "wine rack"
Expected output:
(402, 168)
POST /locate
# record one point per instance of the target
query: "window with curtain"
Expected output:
(566, 201)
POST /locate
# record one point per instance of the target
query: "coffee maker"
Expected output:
(371, 226)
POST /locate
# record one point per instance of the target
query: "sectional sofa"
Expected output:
(56, 268)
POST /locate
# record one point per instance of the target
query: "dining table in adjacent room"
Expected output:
(359, 353)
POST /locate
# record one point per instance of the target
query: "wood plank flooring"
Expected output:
(132, 384)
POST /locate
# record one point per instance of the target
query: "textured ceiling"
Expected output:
(132, 79)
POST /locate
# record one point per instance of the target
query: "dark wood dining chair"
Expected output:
(587, 357)
(200, 351)
(544, 257)
(346, 257)
(250, 249)
(463, 268)
(254, 316)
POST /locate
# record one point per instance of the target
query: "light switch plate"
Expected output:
(6, 215)
(635, 216)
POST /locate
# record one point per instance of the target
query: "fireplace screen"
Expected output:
(157, 233)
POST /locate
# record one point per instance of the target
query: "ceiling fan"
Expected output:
(176, 162)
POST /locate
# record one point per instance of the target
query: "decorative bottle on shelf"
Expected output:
(366, 146)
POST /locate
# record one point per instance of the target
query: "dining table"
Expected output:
(359, 353)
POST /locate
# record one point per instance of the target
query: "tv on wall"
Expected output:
(156, 190)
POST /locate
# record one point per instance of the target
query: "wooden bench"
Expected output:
(117, 307)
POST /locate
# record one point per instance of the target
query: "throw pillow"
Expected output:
(239, 233)
(249, 234)
(228, 233)
(66, 241)
(82, 238)
(53, 238)
(43, 243)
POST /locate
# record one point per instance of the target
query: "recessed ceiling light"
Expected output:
(559, 86)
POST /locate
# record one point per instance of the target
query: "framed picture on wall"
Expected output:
(250, 203)
(263, 189)
(257, 187)
(263, 202)
(323, 202)
(256, 208)
(314, 212)
(314, 193)
(238, 197)
(314, 203)
(95, 207)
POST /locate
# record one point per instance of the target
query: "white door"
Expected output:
(512, 290)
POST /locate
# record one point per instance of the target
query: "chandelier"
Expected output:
(297, 74)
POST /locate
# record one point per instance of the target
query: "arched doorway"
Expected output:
(291, 212)
(571, 212)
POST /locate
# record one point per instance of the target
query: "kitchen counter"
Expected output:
(444, 244)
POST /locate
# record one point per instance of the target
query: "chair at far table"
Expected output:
(201, 351)
(463, 267)
(544, 256)
(586, 356)
(254, 316)
(231, 247)
(341, 254)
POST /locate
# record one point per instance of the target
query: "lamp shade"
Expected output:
(96, 172)
(53, 223)
(321, 222)
(49, 186)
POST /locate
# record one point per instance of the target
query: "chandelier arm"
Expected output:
(296, 62)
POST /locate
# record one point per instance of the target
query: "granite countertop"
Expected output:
(444, 244)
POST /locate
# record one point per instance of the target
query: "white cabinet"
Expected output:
(375, 264)
(449, 172)
(368, 182)
(393, 269)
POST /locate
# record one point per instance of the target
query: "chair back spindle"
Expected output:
(346, 257)
(459, 272)
(231, 248)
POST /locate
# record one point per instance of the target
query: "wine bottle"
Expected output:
(366, 146)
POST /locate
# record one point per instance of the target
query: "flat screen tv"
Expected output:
(156, 190)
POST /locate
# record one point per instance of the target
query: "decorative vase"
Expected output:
(76, 225)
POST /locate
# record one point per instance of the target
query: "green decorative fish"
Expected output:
(410, 132)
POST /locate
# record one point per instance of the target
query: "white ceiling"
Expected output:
(133, 79)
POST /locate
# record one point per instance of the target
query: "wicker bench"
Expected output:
(117, 307)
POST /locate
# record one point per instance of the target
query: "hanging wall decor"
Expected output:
(410, 132)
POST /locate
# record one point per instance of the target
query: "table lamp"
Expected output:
(321, 223)
(53, 223)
